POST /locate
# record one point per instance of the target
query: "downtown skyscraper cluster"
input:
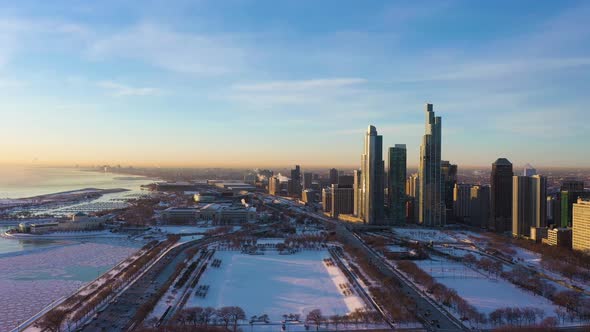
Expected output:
(369, 203)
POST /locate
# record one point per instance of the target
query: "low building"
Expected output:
(44, 227)
(538, 233)
(205, 197)
(581, 225)
(180, 215)
(561, 237)
(222, 214)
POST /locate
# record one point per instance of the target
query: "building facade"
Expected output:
(449, 179)
(501, 195)
(581, 225)
(333, 176)
(372, 171)
(479, 206)
(295, 187)
(462, 202)
(432, 210)
(396, 182)
(529, 204)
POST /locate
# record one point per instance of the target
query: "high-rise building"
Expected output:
(572, 185)
(333, 176)
(308, 196)
(358, 179)
(307, 177)
(274, 185)
(529, 170)
(327, 200)
(567, 199)
(396, 181)
(461, 202)
(480, 206)
(529, 204)
(345, 181)
(412, 190)
(501, 194)
(342, 200)
(449, 179)
(581, 225)
(295, 187)
(431, 198)
(372, 171)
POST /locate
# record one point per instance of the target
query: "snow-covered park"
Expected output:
(276, 284)
(485, 293)
(32, 280)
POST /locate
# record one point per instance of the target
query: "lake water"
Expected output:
(19, 182)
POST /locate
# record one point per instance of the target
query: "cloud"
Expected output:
(300, 85)
(179, 52)
(120, 90)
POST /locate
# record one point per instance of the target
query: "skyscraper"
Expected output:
(342, 200)
(480, 206)
(449, 179)
(396, 181)
(501, 194)
(357, 182)
(345, 181)
(567, 200)
(461, 202)
(529, 170)
(431, 197)
(295, 187)
(372, 171)
(333, 176)
(307, 176)
(529, 204)
(274, 185)
(412, 191)
(572, 185)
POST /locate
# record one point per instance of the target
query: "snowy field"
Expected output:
(32, 280)
(484, 293)
(276, 284)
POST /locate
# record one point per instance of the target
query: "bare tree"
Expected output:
(236, 314)
(315, 316)
(52, 320)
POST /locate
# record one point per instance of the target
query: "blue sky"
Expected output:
(264, 83)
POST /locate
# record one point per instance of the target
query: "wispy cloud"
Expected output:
(300, 85)
(119, 90)
(162, 47)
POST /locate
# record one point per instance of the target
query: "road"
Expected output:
(118, 315)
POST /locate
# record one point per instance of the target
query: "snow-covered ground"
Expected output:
(276, 284)
(483, 292)
(32, 280)
(424, 234)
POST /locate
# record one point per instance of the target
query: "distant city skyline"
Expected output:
(267, 84)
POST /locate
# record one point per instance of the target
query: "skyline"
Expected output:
(245, 84)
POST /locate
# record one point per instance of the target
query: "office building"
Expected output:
(431, 198)
(327, 200)
(274, 185)
(529, 199)
(479, 206)
(308, 196)
(561, 237)
(567, 200)
(342, 200)
(346, 181)
(529, 170)
(412, 190)
(449, 179)
(501, 195)
(462, 201)
(372, 171)
(295, 185)
(581, 225)
(396, 182)
(307, 177)
(572, 185)
(333, 176)
(357, 176)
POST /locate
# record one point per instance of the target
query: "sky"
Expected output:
(277, 83)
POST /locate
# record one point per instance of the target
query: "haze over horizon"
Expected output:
(261, 83)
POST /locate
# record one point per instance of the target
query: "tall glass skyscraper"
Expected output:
(431, 209)
(396, 182)
(372, 171)
(501, 195)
